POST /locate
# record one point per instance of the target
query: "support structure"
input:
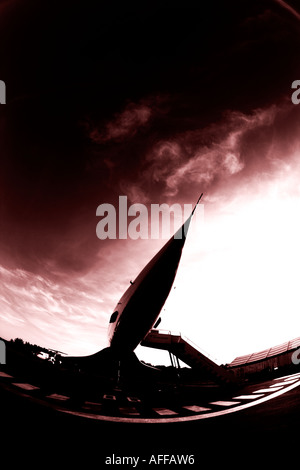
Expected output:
(184, 350)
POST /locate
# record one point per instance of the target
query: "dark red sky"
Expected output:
(159, 101)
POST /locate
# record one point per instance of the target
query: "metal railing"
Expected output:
(187, 340)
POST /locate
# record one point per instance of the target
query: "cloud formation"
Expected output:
(204, 157)
(30, 303)
(158, 103)
(123, 126)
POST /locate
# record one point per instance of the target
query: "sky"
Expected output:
(157, 101)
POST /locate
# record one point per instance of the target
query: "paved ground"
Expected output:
(171, 407)
(263, 417)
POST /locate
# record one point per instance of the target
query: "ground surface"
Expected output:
(256, 422)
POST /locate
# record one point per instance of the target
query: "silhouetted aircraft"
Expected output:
(139, 307)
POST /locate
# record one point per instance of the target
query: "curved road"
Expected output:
(258, 423)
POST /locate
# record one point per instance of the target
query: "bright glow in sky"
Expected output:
(236, 290)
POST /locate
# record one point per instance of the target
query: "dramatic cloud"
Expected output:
(214, 154)
(124, 125)
(158, 103)
(31, 303)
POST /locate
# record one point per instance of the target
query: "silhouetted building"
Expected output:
(283, 356)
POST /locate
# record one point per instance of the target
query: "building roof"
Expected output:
(270, 352)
